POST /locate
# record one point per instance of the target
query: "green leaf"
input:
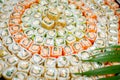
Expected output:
(1, 1)
(111, 47)
(111, 78)
(105, 58)
(102, 71)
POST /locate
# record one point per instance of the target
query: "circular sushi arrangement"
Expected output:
(47, 39)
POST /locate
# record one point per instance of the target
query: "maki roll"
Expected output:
(74, 69)
(24, 54)
(100, 43)
(63, 74)
(51, 74)
(53, 14)
(37, 59)
(41, 31)
(9, 72)
(15, 29)
(14, 48)
(25, 42)
(85, 55)
(29, 32)
(67, 50)
(7, 40)
(34, 48)
(85, 43)
(14, 21)
(50, 62)
(61, 32)
(63, 61)
(39, 40)
(70, 28)
(49, 42)
(16, 14)
(19, 8)
(78, 34)
(36, 70)
(74, 60)
(31, 78)
(20, 76)
(87, 67)
(11, 60)
(59, 41)
(76, 47)
(45, 51)
(61, 21)
(47, 23)
(51, 33)
(70, 38)
(4, 32)
(91, 36)
(18, 36)
(24, 66)
(56, 51)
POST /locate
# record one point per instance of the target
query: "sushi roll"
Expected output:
(26, 19)
(20, 8)
(51, 74)
(51, 33)
(100, 43)
(15, 29)
(34, 48)
(61, 22)
(81, 27)
(45, 51)
(20, 76)
(101, 34)
(3, 25)
(24, 66)
(76, 47)
(56, 51)
(53, 14)
(63, 61)
(91, 36)
(110, 12)
(4, 53)
(18, 36)
(41, 31)
(74, 60)
(7, 40)
(87, 67)
(31, 77)
(25, 42)
(70, 28)
(67, 50)
(63, 74)
(24, 54)
(39, 40)
(16, 14)
(85, 43)
(36, 70)
(37, 59)
(74, 69)
(3, 65)
(35, 22)
(47, 23)
(4, 32)
(14, 48)
(37, 15)
(91, 28)
(61, 32)
(78, 34)
(29, 32)
(60, 41)
(11, 60)
(9, 72)
(70, 38)
(50, 62)
(14, 21)
(85, 55)
(49, 42)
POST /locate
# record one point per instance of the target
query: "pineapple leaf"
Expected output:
(111, 78)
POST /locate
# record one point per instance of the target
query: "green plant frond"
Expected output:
(105, 58)
(102, 71)
(111, 47)
(111, 78)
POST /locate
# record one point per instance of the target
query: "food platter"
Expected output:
(47, 39)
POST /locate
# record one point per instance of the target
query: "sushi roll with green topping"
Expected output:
(20, 76)
(79, 34)
(74, 60)
(60, 41)
(61, 32)
(9, 72)
(41, 31)
(70, 38)
(39, 39)
(51, 33)
(24, 66)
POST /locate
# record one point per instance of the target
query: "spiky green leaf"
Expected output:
(111, 78)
